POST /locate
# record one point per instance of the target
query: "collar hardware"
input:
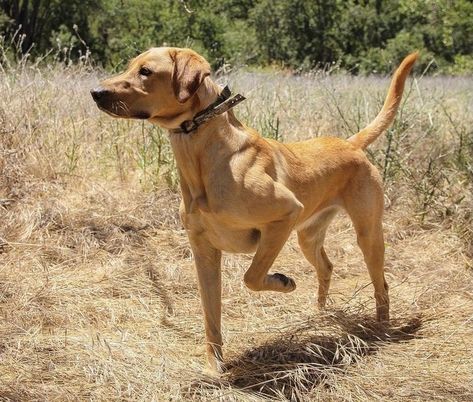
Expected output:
(221, 105)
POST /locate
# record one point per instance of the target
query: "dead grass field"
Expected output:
(98, 297)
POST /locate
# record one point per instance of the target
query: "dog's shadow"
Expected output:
(290, 365)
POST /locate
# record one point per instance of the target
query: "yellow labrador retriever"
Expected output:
(243, 193)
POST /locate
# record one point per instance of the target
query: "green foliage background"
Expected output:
(361, 36)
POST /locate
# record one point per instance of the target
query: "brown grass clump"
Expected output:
(98, 299)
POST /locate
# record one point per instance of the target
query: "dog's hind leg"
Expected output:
(311, 239)
(364, 203)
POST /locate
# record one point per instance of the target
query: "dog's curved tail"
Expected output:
(385, 117)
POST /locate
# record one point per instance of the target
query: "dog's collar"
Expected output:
(221, 105)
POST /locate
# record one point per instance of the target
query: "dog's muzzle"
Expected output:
(99, 94)
(107, 102)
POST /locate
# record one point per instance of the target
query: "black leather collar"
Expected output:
(221, 105)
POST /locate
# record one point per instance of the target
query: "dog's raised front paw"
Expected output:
(288, 284)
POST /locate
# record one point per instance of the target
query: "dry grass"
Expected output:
(98, 298)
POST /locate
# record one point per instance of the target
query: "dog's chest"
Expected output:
(222, 234)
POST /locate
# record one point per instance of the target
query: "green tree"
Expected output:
(34, 21)
(361, 35)
(296, 33)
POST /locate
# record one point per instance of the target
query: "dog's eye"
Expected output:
(145, 71)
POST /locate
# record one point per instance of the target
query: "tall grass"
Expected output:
(48, 119)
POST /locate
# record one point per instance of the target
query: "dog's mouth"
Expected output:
(120, 110)
(109, 112)
(141, 115)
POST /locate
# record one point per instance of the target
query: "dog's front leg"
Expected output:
(273, 236)
(207, 263)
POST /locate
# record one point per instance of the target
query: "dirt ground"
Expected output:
(99, 301)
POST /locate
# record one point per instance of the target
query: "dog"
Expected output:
(242, 193)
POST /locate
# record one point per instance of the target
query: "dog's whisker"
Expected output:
(123, 106)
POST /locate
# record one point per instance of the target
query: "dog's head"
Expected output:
(159, 85)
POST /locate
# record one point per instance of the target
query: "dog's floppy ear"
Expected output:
(189, 72)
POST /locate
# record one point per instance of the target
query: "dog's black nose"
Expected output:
(99, 93)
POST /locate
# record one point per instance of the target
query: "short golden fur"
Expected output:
(243, 193)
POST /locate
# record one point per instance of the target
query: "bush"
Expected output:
(360, 36)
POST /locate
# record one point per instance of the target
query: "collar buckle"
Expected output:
(188, 126)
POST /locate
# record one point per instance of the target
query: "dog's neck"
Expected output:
(196, 152)
(207, 93)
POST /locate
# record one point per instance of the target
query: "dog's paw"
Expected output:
(288, 284)
(214, 371)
